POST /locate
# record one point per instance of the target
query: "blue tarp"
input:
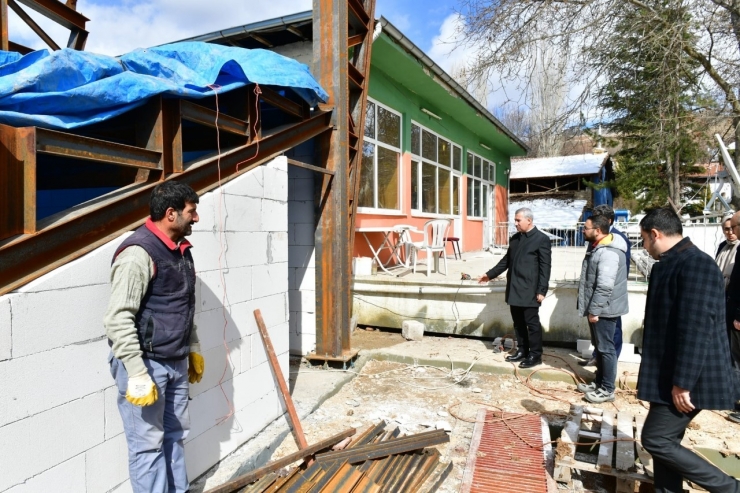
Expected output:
(68, 88)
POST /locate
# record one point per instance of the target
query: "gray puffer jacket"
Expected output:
(602, 290)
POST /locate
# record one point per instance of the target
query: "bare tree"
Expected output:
(509, 33)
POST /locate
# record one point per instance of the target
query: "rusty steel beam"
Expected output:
(27, 257)
(241, 481)
(311, 167)
(23, 50)
(4, 42)
(274, 99)
(205, 116)
(17, 181)
(333, 286)
(32, 24)
(77, 39)
(386, 448)
(58, 12)
(77, 147)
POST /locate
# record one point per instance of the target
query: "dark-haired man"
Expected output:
(602, 298)
(154, 344)
(686, 364)
(608, 212)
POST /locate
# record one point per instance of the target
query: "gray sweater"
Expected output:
(602, 290)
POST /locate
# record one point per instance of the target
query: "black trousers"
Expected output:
(661, 436)
(528, 329)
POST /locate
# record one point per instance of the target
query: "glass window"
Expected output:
(469, 169)
(429, 187)
(456, 158)
(389, 127)
(445, 185)
(415, 184)
(484, 201)
(455, 195)
(477, 167)
(370, 120)
(388, 161)
(443, 152)
(367, 172)
(429, 146)
(381, 158)
(415, 140)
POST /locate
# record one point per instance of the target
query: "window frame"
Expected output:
(417, 208)
(484, 183)
(399, 150)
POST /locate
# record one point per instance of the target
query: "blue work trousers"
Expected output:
(155, 434)
(602, 337)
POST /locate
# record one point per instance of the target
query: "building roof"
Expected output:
(546, 167)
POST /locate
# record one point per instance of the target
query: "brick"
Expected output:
(274, 216)
(303, 234)
(35, 383)
(238, 287)
(61, 431)
(240, 214)
(90, 269)
(301, 256)
(113, 422)
(302, 301)
(280, 338)
(277, 244)
(301, 211)
(301, 188)
(6, 327)
(215, 362)
(269, 279)
(107, 464)
(245, 249)
(251, 184)
(412, 330)
(67, 476)
(78, 316)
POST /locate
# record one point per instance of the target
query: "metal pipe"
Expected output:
(429, 290)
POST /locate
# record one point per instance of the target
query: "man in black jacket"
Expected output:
(528, 263)
(686, 364)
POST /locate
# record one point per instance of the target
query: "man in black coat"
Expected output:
(528, 263)
(686, 364)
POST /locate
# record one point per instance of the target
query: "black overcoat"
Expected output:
(685, 339)
(528, 261)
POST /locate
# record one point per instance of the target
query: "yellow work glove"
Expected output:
(141, 390)
(196, 364)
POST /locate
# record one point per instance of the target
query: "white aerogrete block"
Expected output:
(251, 184)
(276, 185)
(252, 385)
(206, 250)
(67, 476)
(124, 487)
(107, 464)
(280, 163)
(277, 243)
(583, 345)
(301, 211)
(412, 330)
(52, 378)
(5, 327)
(300, 189)
(78, 316)
(302, 256)
(219, 366)
(302, 301)
(62, 426)
(280, 338)
(245, 249)
(207, 212)
(273, 309)
(113, 422)
(304, 234)
(238, 282)
(239, 213)
(269, 279)
(628, 354)
(305, 279)
(274, 215)
(215, 325)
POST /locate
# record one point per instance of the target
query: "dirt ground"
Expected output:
(419, 398)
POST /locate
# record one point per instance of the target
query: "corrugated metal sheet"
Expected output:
(583, 164)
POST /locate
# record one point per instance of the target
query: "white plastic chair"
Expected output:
(434, 243)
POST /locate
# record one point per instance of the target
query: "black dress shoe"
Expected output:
(530, 362)
(518, 356)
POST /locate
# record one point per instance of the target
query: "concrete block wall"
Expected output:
(301, 254)
(59, 425)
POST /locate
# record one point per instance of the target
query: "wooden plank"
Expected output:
(277, 372)
(606, 450)
(480, 422)
(586, 467)
(251, 476)
(625, 449)
(589, 434)
(566, 449)
(645, 458)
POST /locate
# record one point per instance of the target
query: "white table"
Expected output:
(391, 237)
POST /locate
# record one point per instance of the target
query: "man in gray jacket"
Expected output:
(602, 297)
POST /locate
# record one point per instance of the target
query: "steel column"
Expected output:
(17, 181)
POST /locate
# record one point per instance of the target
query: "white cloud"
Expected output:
(119, 28)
